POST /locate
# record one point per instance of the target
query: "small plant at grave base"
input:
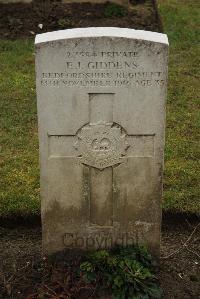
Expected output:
(114, 10)
(14, 24)
(64, 23)
(127, 272)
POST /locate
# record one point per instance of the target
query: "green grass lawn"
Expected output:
(19, 170)
(19, 173)
(182, 167)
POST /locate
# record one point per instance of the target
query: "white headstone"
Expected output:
(101, 109)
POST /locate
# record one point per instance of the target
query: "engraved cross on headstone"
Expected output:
(101, 145)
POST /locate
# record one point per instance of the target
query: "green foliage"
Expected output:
(114, 10)
(64, 23)
(14, 24)
(127, 272)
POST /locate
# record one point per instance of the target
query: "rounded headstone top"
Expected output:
(102, 32)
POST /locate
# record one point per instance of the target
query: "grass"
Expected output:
(19, 171)
(182, 172)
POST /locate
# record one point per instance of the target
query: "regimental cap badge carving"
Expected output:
(101, 145)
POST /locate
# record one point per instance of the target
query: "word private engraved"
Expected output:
(101, 145)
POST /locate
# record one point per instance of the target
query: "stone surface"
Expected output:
(101, 110)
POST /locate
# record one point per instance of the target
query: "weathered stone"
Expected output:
(101, 110)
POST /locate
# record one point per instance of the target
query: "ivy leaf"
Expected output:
(127, 272)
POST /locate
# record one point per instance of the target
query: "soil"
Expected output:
(24, 271)
(19, 20)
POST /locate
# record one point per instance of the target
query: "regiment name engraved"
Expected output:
(93, 72)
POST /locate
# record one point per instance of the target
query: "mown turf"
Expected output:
(182, 169)
(19, 171)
